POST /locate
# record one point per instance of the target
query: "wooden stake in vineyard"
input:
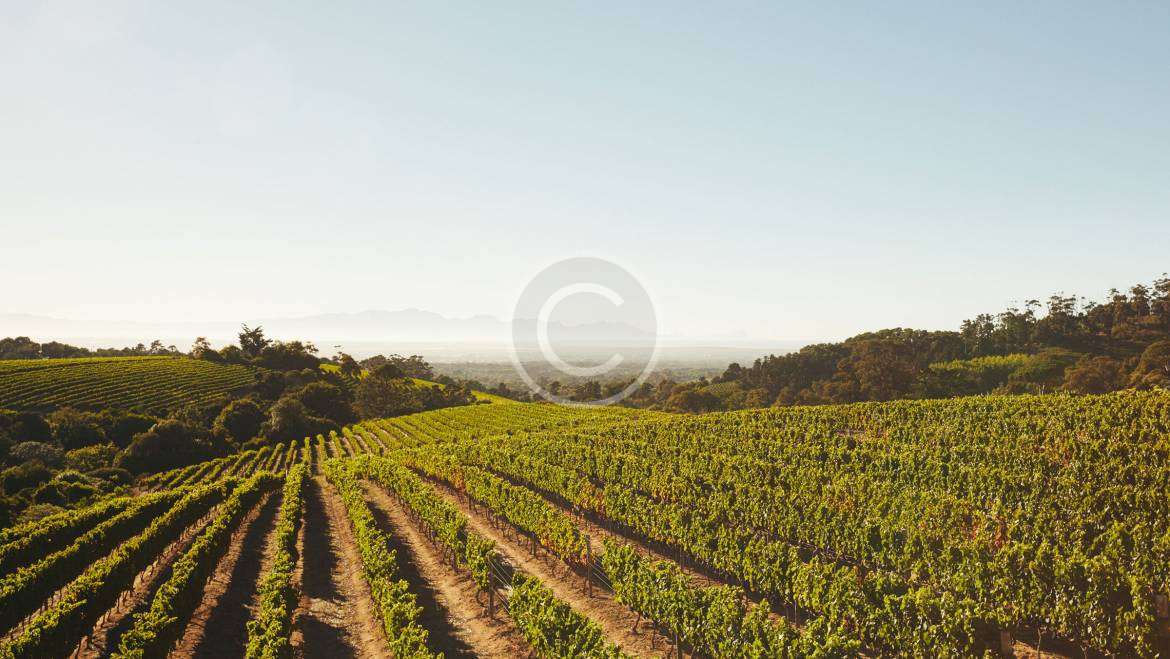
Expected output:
(1006, 643)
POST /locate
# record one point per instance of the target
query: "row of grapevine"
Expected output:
(522, 508)
(396, 605)
(714, 621)
(711, 620)
(882, 610)
(1022, 513)
(274, 458)
(155, 630)
(148, 383)
(270, 630)
(26, 589)
(58, 628)
(552, 627)
(549, 624)
(22, 543)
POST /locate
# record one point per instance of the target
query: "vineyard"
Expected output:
(1033, 526)
(149, 384)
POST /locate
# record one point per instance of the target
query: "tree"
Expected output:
(693, 401)
(73, 429)
(91, 457)
(120, 427)
(252, 341)
(28, 474)
(882, 370)
(56, 350)
(348, 366)
(379, 397)
(756, 398)
(240, 420)
(588, 390)
(1043, 372)
(733, 372)
(201, 349)
(199, 414)
(169, 444)
(35, 452)
(289, 419)
(388, 371)
(25, 426)
(413, 366)
(1094, 375)
(20, 347)
(289, 356)
(326, 400)
(1153, 369)
(232, 355)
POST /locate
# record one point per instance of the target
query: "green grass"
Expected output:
(151, 384)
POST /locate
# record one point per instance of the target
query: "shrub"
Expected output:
(289, 420)
(168, 445)
(38, 451)
(73, 429)
(327, 401)
(1153, 369)
(25, 426)
(29, 474)
(112, 475)
(51, 493)
(91, 457)
(121, 427)
(239, 420)
(1094, 375)
(38, 511)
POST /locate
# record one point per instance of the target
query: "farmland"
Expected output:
(1028, 525)
(151, 384)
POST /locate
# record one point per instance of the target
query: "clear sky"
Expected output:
(777, 170)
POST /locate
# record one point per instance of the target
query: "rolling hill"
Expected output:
(997, 525)
(150, 384)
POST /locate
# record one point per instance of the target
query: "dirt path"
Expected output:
(218, 627)
(617, 621)
(108, 630)
(458, 625)
(336, 616)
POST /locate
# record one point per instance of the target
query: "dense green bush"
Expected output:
(28, 474)
(289, 420)
(239, 420)
(167, 445)
(73, 429)
(25, 426)
(91, 457)
(48, 454)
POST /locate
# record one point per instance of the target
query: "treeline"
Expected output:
(70, 457)
(1066, 344)
(22, 347)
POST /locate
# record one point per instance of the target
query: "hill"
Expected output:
(1027, 525)
(149, 384)
(419, 382)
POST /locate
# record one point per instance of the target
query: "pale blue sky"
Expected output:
(777, 170)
